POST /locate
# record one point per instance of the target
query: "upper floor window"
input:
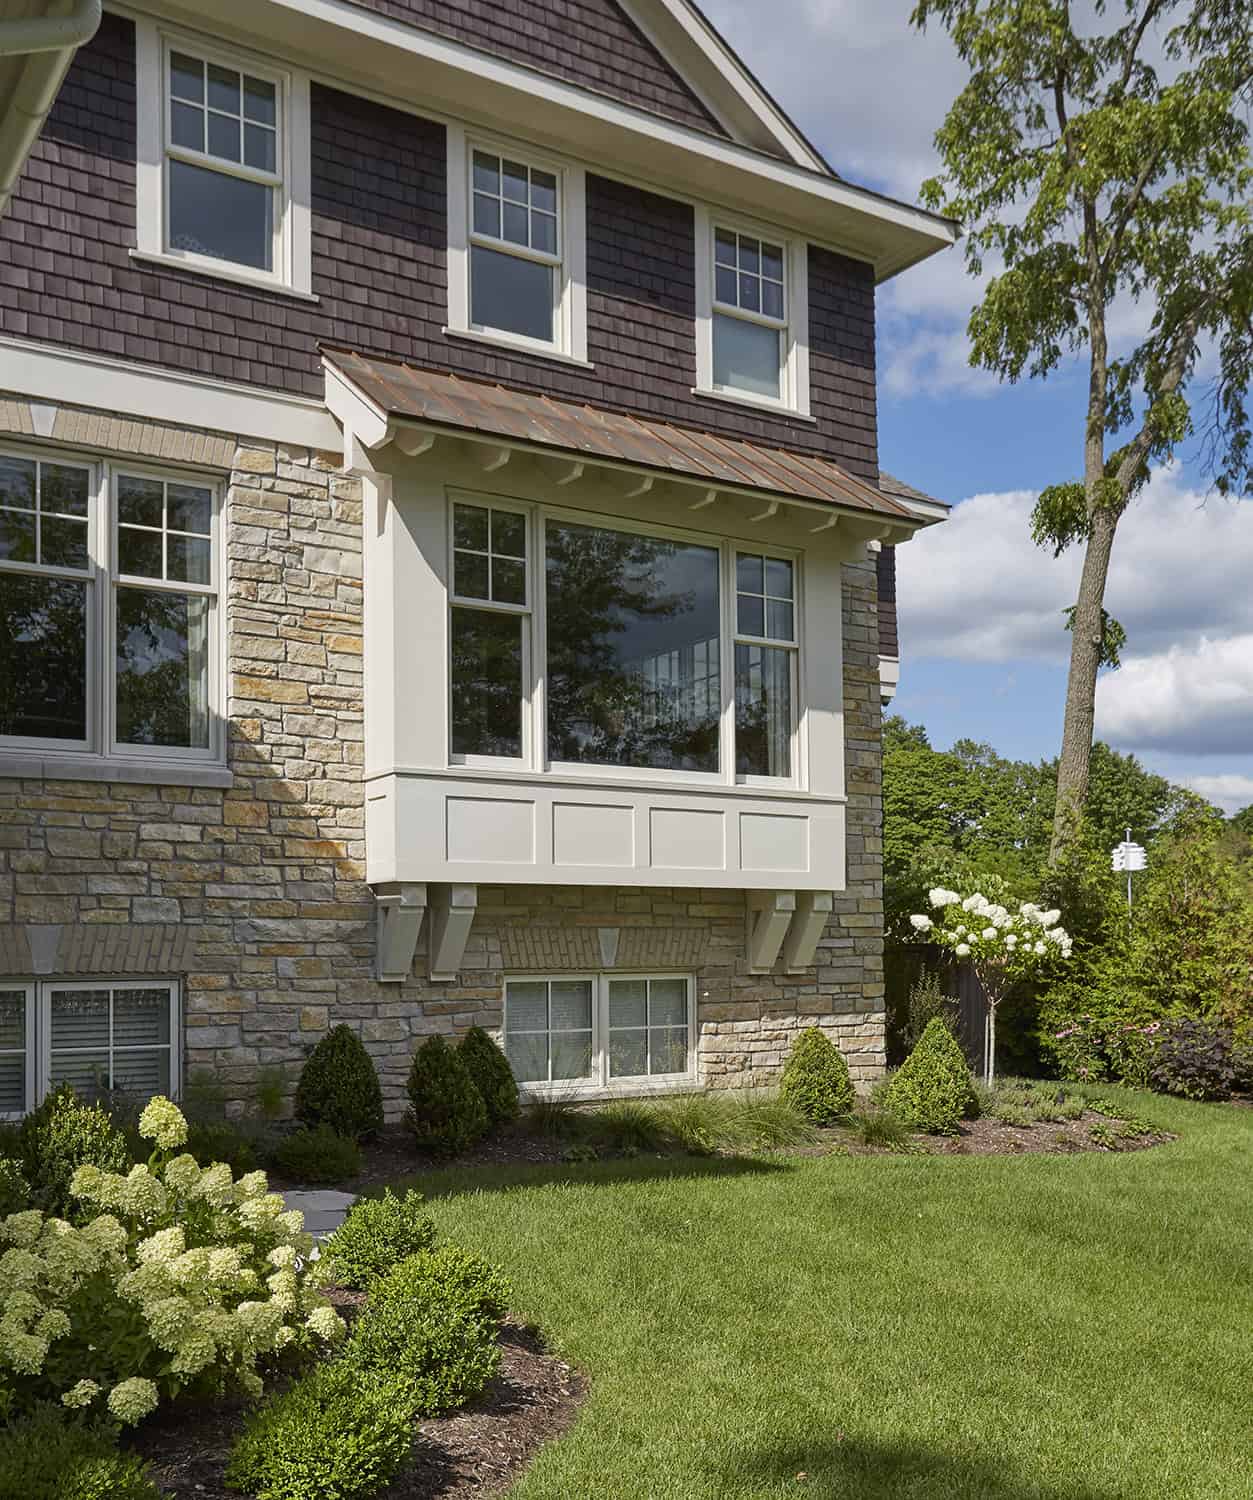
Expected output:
(616, 651)
(752, 314)
(223, 181)
(108, 610)
(516, 247)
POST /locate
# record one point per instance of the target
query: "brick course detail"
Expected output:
(266, 880)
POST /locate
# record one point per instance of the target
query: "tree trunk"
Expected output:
(1085, 660)
(989, 1046)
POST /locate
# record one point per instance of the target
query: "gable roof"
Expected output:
(918, 501)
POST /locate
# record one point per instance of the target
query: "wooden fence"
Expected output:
(902, 969)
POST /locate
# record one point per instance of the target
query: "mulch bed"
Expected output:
(477, 1451)
(988, 1137)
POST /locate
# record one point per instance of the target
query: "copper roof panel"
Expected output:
(409, 393)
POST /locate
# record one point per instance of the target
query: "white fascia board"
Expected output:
(68, 376)
(718, 78)
(441, 79)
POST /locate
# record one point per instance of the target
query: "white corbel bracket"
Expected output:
(769, 917)
(400, 910)
(452, 916)
(813, 908)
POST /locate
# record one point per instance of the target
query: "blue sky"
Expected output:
(984, 651)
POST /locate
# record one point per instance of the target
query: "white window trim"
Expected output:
(570, 313)
(599, 1084)
(794, 368)
(39, 1028)
(534, 759)
(293, 258)
(100, 748)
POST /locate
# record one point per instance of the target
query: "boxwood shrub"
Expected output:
(932, 1090)
(317, 1155)
(60, 1136)
(815, 1079)
(432, 1322)
(489, 1069)
(446, 1111)
(376, 1234)
(339, 1086)
(50, 1455)
(334, 1435)
(14, 1188)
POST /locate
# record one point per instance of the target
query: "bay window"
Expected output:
(599, 1029)
(108, 610)
(579, 644)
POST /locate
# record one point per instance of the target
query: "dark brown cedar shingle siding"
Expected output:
(889, 644)
(379, 269)
(591, 43)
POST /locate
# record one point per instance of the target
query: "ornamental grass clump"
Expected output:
(932, 1090)
(376, 1234)
(446, 1111)
(339, 1087)
(1003, 947)
(489, 1069)
(815, 1079)
(178, 1278)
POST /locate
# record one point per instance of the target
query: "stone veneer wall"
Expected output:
(260, 888)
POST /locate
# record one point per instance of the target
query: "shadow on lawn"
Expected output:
(846, 1468)
(452, 1182)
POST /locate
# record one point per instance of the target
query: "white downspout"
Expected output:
(48, 43)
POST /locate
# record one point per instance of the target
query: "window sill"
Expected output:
(33, 767)
(240, 278)
(586, 1091)
(595, 781)
(757, 403)
(509, 345)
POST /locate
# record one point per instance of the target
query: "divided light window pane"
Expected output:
(486, 682)
(511, 295)
(43, 657)
(13, 1024)
(763, 710)
(548, 1029)
(648, 1031)
(746, 356)
(633, 631)
(513, 280)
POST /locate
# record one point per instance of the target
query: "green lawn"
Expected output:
(1014, 1328)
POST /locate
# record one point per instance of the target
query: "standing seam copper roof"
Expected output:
(410, 393)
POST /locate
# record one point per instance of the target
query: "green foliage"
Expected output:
(60, 1136)
(50, 1455)
(1113, 637)
(927, 1001)
(446, 1111)
(339, 1086)
(489, 1069)
(432, 1323)
(335, 1435)
(375, 1236)
(815, 1079)
(1194, 1060)
(269, 1090)
(220, 1140)
(317, 1155)
(553, 1119)
(932, 1090)
(14, 1188)
(878, 1127)
(629, 1124)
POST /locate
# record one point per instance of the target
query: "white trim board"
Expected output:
(69, 376)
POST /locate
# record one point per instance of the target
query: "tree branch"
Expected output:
(1137, 37)
(1139, 447)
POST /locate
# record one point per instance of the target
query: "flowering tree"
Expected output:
(1002, 946)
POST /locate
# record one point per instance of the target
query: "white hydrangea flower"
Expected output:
(252, 1185)
(988, 934)
(1040, 950)
(82, 1394)
(166, 1244)
(920, 923)
(962, 950)
(182, 1174)
(22, 1229)
(1011, 939)
(1050, 918)
(131, 1400)
(941, 897)
(162, 1122)
(106, 1233)
(326, 1323)
(142, 1196)
(216, 1184)
(283, 1255)
(25, 1352)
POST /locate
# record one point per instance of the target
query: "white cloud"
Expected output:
(1195, 699)
(1231, 791)
(976, 588)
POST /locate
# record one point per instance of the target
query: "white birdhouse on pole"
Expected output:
(1128, 857)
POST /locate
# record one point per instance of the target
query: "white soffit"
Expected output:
(355, 48)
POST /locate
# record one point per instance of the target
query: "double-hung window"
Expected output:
(101, 1036)
(578, 643)
(516, 248)
(599, 1029)
(109, 599)
(752, 314)
(224, 161)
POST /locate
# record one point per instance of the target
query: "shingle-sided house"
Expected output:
(441, 538)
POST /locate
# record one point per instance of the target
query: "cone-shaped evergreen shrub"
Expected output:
(815, 1079)
(493, 1077)
(446, 1111)
(933, 1090)
(339, 1086)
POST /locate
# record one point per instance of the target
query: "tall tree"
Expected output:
(1098, 155)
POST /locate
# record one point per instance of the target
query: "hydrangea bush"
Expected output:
(1003, 947)
(181, 1277)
